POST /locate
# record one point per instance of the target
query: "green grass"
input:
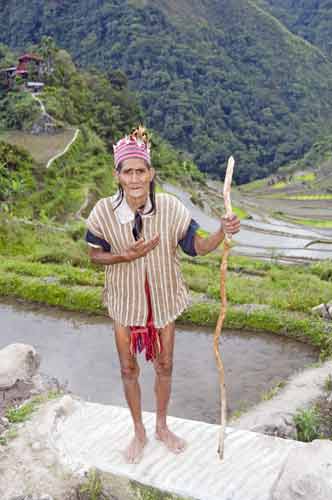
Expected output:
(43, 242)
(328, 383)
(307, 423)
(143, 492)
(24, 412)
(266, 396)
(322, 269)
(314, 197)
(75, 298)
(309, 177)
(319, 223)
(262, 183)
(252, 186)
(20, 414)
(279, 185)
(279, 289)
(240, 212)
(92, 486)
(8, 436)
(300, 197)
(323, 224)
(296, 326)
(64, 273)
(243, 408)
(16, 415)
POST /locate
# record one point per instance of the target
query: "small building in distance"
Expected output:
(30, 67)
(28, 63)
(7, 76)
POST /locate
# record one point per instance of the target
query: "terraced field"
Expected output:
(41, 147)
(303, 198)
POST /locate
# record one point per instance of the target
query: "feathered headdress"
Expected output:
(136, 145)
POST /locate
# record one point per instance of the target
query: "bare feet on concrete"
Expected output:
(173, 442)
(134, 453)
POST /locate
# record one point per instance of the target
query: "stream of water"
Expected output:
(80, 350)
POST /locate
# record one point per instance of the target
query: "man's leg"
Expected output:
(130, 373)
(163, 367)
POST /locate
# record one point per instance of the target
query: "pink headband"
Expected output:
(130, 147)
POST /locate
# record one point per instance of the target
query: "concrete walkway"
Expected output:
(93, 435)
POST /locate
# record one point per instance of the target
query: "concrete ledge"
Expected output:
(87, 435)
(276, 417)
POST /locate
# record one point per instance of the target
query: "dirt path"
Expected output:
(29, 465)
(51, 160)
(45, 114)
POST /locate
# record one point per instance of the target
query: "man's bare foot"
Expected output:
(133, 454)
(171, 440)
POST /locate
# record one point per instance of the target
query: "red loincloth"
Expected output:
(146, 337)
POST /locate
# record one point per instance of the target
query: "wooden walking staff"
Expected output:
(223, 307)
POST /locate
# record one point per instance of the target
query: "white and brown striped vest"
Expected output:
(124, 293)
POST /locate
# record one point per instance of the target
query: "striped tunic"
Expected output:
(124, 292)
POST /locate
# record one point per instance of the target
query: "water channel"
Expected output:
(80, 350)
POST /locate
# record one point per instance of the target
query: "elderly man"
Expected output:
(136, 235)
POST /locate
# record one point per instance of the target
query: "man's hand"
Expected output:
(141, 248)
(230, 225)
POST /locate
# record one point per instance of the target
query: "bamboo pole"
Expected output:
(223, 307)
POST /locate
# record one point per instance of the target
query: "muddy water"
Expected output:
(81, 350)
(264, 239)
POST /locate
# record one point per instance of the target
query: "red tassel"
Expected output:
(146, 337)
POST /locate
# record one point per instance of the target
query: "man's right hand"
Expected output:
(141, 248)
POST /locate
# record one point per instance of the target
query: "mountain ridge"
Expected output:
(241, 85)
(312, 20)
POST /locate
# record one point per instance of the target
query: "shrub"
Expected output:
(307, 424)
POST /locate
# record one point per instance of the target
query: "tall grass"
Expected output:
(307, 423)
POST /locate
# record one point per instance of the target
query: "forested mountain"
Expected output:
(213, 77)
(310, 19)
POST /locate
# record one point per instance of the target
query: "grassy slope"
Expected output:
(311, 19)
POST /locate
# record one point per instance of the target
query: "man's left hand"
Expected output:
(230, 225)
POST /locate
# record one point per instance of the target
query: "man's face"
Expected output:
(135, 177)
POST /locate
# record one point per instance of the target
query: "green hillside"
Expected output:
(212, 77)
(103, 110)
(311, 19)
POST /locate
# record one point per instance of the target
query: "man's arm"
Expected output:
(99, 256)
(135, 251)
(205, 245)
